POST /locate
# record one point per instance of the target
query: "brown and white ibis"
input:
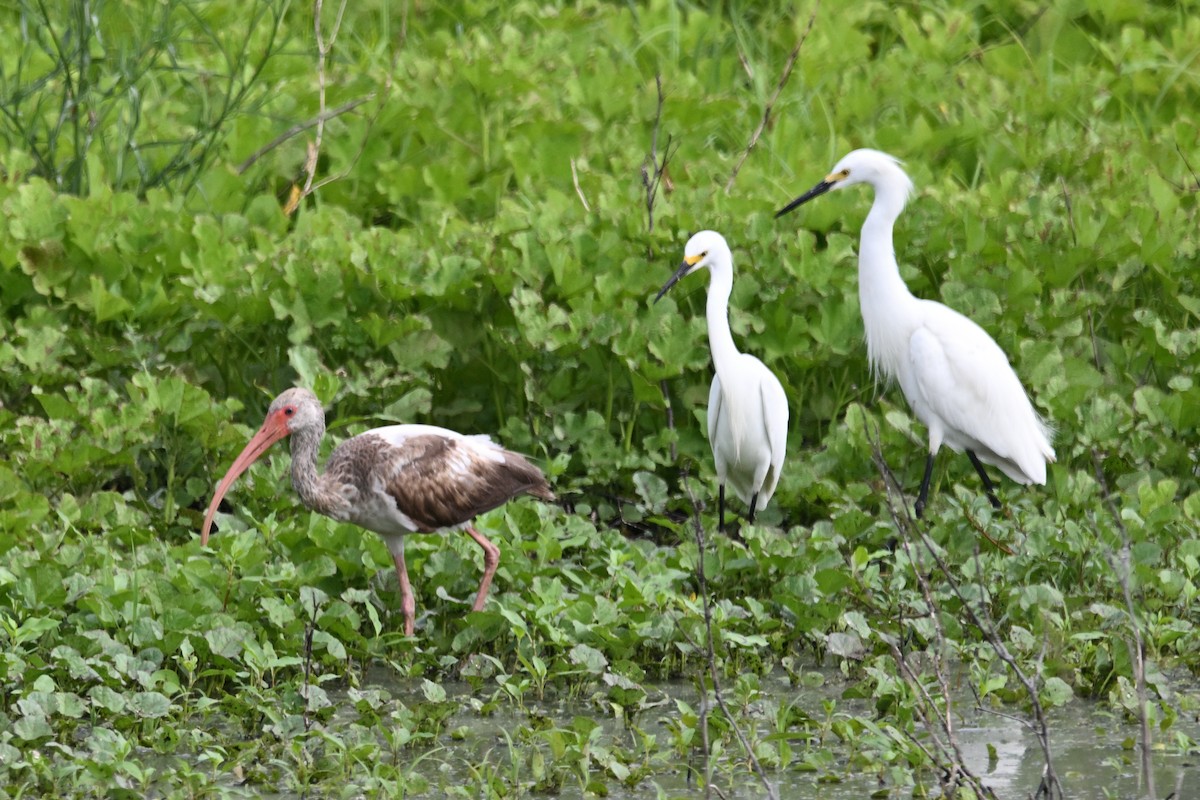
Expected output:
(394, 480)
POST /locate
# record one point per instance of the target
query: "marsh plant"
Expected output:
(442, 213)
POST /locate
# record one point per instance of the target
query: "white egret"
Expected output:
(955, 377)
(747, 408)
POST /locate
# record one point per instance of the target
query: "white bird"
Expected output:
(955, 377)
(395, 480)
(747, 407)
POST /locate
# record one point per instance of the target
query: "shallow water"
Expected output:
(1094, 750)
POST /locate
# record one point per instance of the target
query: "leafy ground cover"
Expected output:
(482, 257)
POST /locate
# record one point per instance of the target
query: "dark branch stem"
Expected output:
(1123, 566)
(766, 115)
(910, 529)
(301, 127)
(653, 170)
(710, 650)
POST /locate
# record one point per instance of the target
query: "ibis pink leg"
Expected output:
(491, 560)
(408, 605)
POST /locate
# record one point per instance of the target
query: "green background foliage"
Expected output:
(155, 297)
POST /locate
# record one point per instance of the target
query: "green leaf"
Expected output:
(332, 645)
(1056, 692)
(224, 641)
(150, 704)
(433, 692)
(589, 658)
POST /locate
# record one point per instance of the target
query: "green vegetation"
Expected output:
(479, 256)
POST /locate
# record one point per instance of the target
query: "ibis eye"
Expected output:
(289, 411)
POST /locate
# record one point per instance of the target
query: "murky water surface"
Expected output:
(1094, 750)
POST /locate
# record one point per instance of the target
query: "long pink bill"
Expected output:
(273, 429)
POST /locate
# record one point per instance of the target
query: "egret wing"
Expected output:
(963, 377)
(714, 414)
(775, 412)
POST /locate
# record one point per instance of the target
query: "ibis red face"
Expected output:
(274, 428)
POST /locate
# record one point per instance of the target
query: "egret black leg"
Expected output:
(987, 482)
(721, 507)
(923, 495)
(753, 505)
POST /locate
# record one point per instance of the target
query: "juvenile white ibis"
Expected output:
(955, 377)
(747, 407)
(395, 480)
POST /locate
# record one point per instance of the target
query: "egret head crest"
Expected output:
(879, 169)
(698, 253)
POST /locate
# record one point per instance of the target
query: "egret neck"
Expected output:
(720, 338)
(882, 293)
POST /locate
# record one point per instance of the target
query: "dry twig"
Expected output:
(711, 655)
(301, 127)
(662, 387)
(936, 716)
(323, 48)
(1070, 211)
(1123, 566)
(1051, 787)
(783, 79)
(654, 172)
(1195, 187)
(578, 191)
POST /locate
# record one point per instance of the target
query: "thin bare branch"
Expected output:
(1095, 342)
(1123, 566)
(654, 172)
(932, 712)
(662, 387)
(301, 127)
(578, 191)
(1195, 187)
(783, 79)
(745, 64)
(910, 530)
(362, 145)
(702, 716)
(323, 48)
(710, 651)
(982, 531)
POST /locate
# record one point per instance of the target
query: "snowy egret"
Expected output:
(955, 377)
(395, 480)
(747, 408)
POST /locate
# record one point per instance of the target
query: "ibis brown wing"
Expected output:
(439, 482)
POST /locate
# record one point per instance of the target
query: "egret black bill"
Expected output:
(684, 269)
(818, 190)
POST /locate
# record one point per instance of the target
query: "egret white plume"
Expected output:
(955, 377)
(747, 407)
